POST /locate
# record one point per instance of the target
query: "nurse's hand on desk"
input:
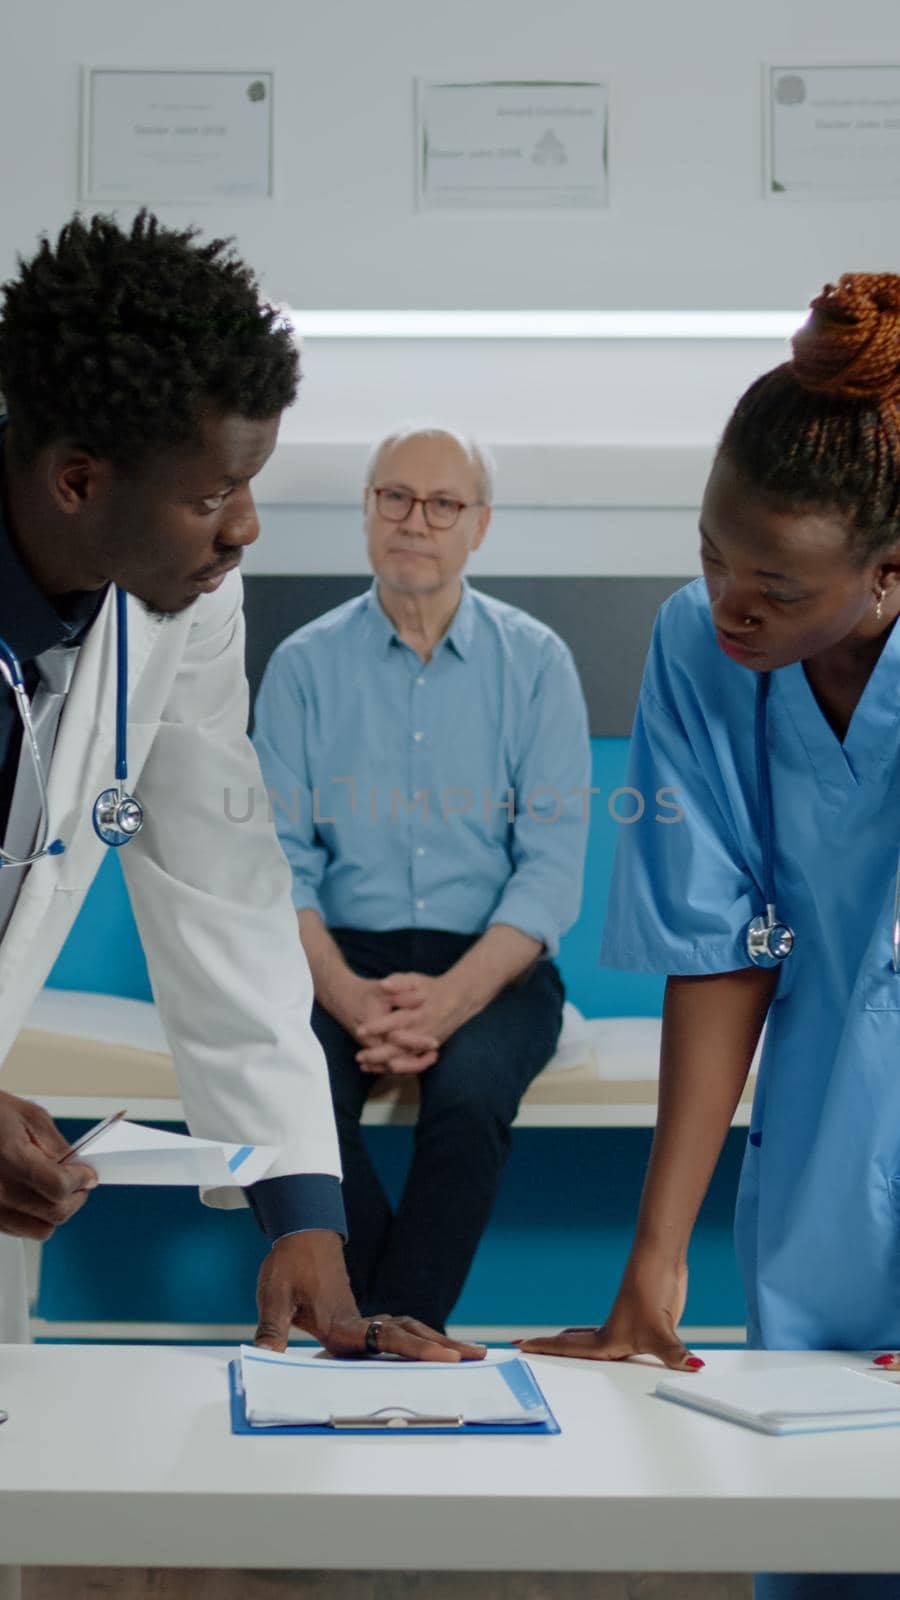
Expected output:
(36, 1193)
(642, 1322)
(303, 1284)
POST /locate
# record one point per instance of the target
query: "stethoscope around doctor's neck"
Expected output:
(769, 941)
(117, 816)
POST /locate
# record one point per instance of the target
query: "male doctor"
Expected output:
(144, 383)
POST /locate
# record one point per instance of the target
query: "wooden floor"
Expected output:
(117, 1583)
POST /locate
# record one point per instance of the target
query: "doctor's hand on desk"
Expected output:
(303, 1284)
(642, 1322)
(36, 1193)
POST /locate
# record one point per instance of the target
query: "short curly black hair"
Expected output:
(121, 341)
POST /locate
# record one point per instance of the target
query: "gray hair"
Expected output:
(479, 457)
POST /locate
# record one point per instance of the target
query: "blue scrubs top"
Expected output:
(818, 1219)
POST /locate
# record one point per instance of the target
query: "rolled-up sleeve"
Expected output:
(280, 712)
(681, 893)
(542, 896)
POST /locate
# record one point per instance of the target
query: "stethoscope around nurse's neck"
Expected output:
(116, 815)
(769, 941)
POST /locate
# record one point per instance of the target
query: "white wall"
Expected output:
(687, 226)
(602, 447)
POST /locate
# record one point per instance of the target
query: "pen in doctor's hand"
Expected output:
(36, 1191)
(93, 1133)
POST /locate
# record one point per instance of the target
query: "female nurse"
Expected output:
(784, 655)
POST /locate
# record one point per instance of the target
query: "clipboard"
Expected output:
(338, 1428)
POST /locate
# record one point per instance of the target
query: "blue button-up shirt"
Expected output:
(451, 794)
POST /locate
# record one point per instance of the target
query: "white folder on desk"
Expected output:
(302, 1390)
(798, 1399)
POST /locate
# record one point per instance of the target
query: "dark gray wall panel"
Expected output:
(606, 623)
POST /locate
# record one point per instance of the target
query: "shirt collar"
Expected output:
(29, 622)
(381, 628)
(458, 635)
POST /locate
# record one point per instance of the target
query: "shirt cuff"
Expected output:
(519, 911)
(305, 897)
(298, 1203)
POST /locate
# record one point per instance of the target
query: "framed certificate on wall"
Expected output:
(158, 136)
(512, 146)
(832, 132)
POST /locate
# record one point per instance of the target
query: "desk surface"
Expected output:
(122, 1456)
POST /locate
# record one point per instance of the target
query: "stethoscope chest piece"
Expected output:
(117, 817)
(769, 942)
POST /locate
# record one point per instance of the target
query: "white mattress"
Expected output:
(615, 1047)
(104, 1017)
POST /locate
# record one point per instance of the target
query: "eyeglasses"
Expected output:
(439, 512)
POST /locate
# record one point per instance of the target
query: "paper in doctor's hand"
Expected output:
(127, 1152)
(36, 1192)
(303, 1284)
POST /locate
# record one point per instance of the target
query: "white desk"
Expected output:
(122, 1457)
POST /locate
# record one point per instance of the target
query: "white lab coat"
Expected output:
(211, 896)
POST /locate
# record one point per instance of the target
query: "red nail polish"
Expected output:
(695, 1363)
(883, 1361)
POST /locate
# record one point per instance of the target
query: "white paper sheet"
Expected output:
(281, 1390)
(126, 1152)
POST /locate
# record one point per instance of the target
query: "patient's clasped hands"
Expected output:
(401, 1021)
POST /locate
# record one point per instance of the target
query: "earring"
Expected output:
(879, 602)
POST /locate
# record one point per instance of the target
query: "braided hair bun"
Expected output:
(849, 347)
(824, 428)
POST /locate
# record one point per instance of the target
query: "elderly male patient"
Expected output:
(426, 753)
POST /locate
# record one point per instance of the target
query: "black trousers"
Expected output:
(416, 1260)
